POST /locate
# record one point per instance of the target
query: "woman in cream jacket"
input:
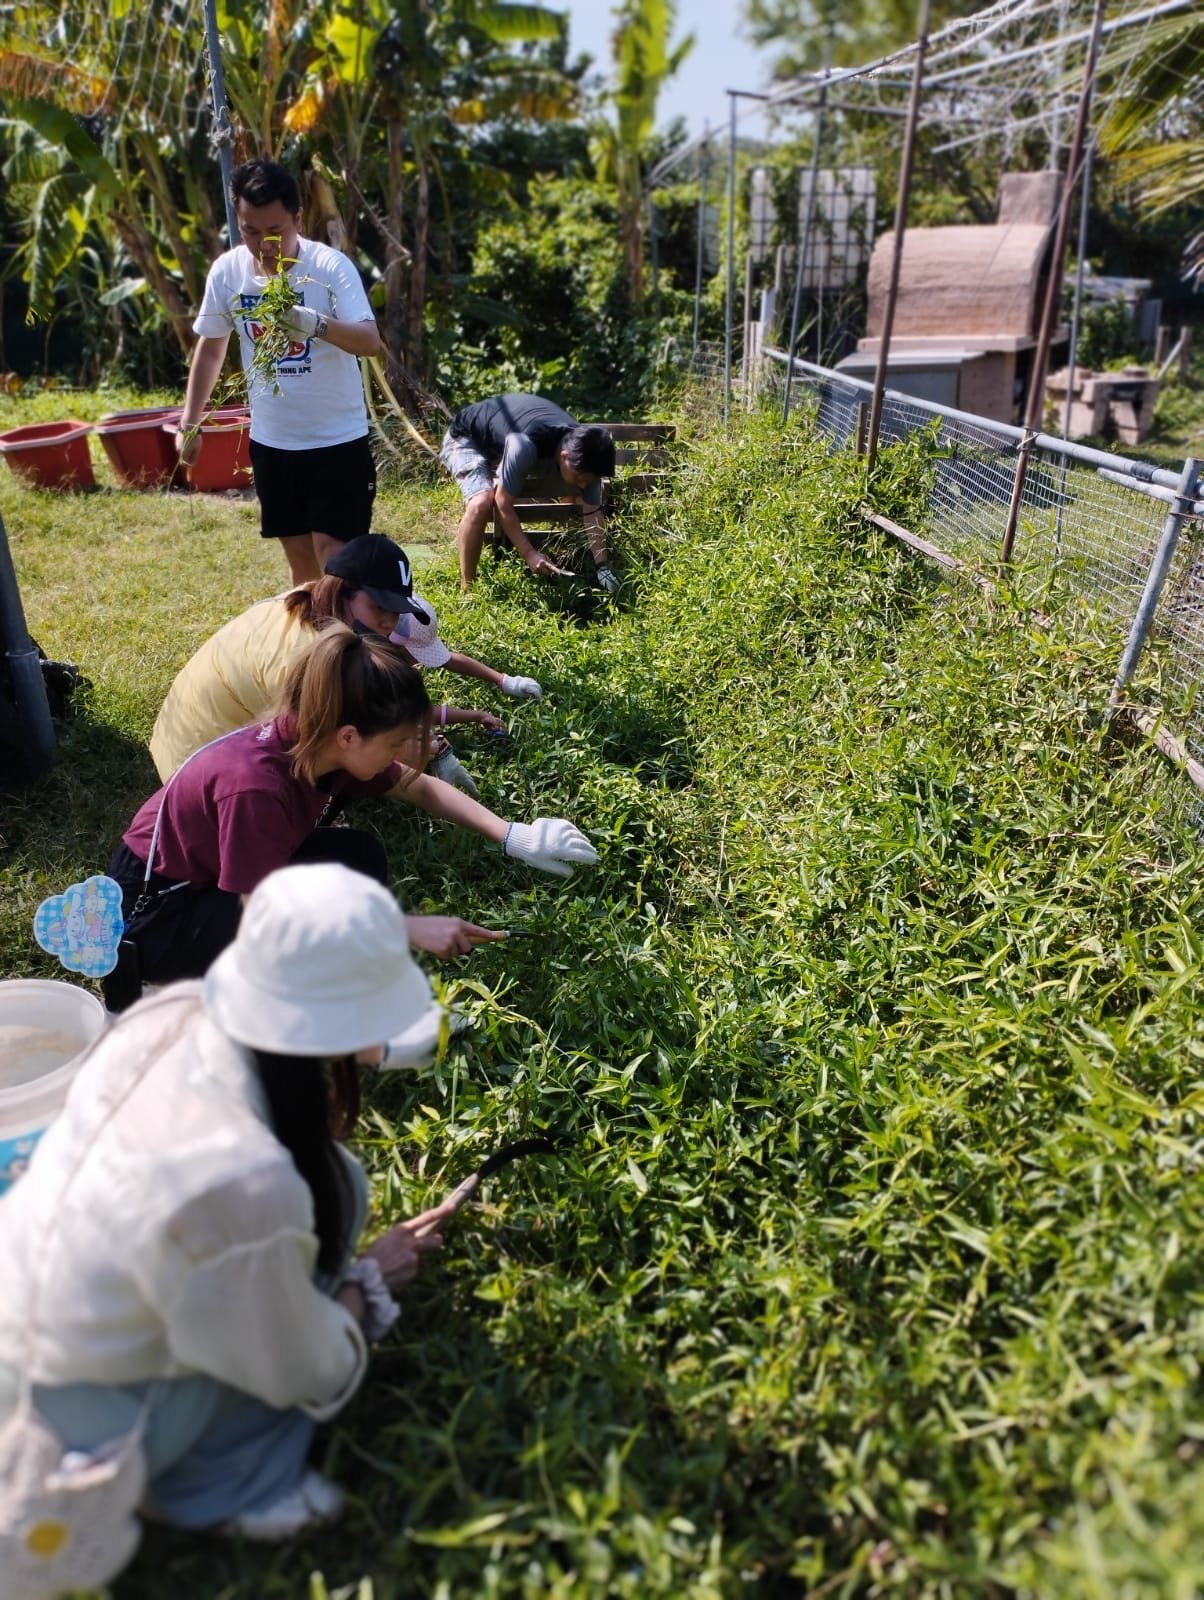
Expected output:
(180, 1261)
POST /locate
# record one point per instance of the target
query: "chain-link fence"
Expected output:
(1088, 519)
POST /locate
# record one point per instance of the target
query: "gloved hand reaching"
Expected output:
(549, 843)
(521, 688)
(305, 322)
(446, 765)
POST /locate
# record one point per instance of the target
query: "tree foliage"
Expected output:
(1154, 76)
(644, 62)
(807, 34)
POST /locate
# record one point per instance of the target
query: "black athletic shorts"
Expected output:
(328, 490)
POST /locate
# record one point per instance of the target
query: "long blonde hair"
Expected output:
(350, 679)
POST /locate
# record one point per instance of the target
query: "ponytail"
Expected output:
(316, 603)
(349, 679)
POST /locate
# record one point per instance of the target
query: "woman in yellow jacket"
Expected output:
(237, 675)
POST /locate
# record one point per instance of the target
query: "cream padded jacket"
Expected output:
(162, 1230)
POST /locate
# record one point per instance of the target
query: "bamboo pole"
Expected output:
(704, 173)
(1053, 289)
(804, 249)
(892, 293)
(730, 294)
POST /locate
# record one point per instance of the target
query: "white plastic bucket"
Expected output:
(45, 1027)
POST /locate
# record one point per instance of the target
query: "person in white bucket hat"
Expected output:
(182, 1286)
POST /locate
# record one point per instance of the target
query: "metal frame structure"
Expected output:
(979, 93)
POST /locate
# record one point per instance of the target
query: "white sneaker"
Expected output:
(312, 1503)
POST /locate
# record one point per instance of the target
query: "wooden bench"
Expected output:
(637, 444)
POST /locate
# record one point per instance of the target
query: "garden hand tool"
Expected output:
(499, 1159)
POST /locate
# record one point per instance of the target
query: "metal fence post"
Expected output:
(221, 116)
(1053, 289)
(892, 294)
(24, 672)
(731, 254)
(1189, 480)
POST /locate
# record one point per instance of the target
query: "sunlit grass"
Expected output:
(869, 1265)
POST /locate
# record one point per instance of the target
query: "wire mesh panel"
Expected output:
(973, 468)
(831, 403)
(1088, 529)
(841, 224)
(761, 216)
(1088, 520)
(1097, 534)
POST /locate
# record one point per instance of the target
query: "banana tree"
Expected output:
(113, 136)
(643, 64)
(417, 69)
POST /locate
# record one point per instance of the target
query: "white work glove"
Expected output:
(521, 688)
(446, 765)
(608, 579)
(305, 322)
(549, 843)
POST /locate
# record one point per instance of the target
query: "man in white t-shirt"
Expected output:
(314, 473)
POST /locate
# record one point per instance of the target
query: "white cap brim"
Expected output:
(434, 654)
(415, 1047)
(305, 1025)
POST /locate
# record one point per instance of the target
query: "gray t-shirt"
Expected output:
(523, 471)
(519, 435)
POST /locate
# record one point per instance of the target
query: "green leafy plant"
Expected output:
(271, 313)
(866, 1265)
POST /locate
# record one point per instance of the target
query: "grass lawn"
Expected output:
(870, 1265)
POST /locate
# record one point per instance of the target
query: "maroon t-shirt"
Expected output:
(234, 812)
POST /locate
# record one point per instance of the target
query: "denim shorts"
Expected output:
(467, 466)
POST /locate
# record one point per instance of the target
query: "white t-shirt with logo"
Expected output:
(321, 398)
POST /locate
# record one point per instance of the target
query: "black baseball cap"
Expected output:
(381, 569)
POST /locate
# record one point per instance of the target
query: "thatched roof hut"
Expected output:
(973, 283)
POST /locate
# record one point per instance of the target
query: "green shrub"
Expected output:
(547, 309)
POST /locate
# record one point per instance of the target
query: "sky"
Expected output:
(722, 59)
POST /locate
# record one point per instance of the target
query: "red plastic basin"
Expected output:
(142, 455)
(50, 455)
(225, 459)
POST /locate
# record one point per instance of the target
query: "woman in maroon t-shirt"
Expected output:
(355, 720)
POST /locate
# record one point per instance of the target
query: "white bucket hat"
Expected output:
(321, 966)
(422, 639)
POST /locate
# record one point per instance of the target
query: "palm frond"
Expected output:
(58, 128)
(1146, 74)
(1166, 175)
(58, 222)
(27, 75)
(32, 159)
(516, 23)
